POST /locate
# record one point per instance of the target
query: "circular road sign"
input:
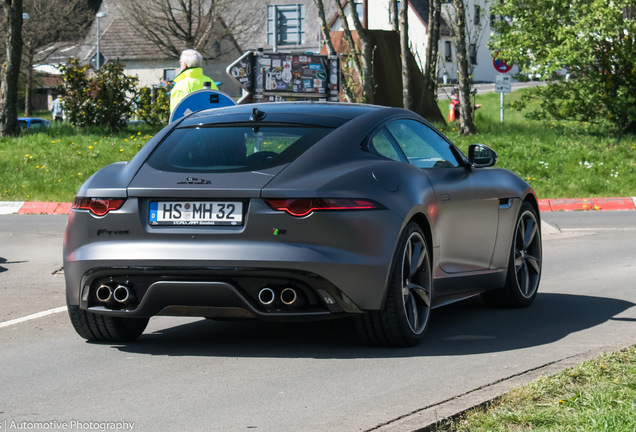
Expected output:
(200, 100)
(500, 65)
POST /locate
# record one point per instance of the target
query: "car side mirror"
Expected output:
(481, 156)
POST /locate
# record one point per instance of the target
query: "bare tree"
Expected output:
(362, 58)
(430, 67)
(174, 25)
(49, 22)
(405, 54)
(324, 26)
(466, 125)
(393, 12)
(11, 69)
(325, 29)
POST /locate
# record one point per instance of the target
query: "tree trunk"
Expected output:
(430, 68)
(405, 53)
(324, 26)
(349, 38)
(466, 126)
(11, 70)
(366, 62)
(393, 11)
(28, 86)
(325, 29)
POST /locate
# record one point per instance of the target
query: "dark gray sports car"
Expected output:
(299, 211)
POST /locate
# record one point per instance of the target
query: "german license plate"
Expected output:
(196, 213)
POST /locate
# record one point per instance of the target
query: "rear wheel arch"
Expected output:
(532, 199)
(422, 221)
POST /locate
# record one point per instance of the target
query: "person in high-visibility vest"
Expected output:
(190, 79)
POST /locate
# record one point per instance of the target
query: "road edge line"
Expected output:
(424, 419)
(32, 316)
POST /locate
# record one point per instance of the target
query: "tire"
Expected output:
(524, 265)
(103, 328)
(406, 313)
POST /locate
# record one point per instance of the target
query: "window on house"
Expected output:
(448, 51)
(169, 74)
(477, 14)
(285, 24)
(472, 53)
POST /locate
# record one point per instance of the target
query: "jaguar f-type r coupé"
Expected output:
(299, 211)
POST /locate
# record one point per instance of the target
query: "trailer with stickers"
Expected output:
(277, 77)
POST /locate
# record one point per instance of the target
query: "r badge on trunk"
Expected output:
(192, 180)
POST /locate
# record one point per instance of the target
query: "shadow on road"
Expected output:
(467, 327)
(4, 261)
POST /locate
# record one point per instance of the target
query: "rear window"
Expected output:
(234, 148)
(22, 123)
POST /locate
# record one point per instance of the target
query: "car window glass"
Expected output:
(22, 123)
(422, 146)
(382, 145)
(233, 148)
(36, 124)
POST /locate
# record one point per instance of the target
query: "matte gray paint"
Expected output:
(354, 250)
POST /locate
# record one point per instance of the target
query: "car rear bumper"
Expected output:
(212, 292)
(350, 251)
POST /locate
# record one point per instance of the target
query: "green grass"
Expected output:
(44, 114)
(598, 395)
(560, 159)
(51, 166)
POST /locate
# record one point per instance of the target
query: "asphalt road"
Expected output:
(201, 375)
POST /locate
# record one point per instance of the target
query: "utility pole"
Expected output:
(98, 16)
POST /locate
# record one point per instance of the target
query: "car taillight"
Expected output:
(97, 206)
(304, 206)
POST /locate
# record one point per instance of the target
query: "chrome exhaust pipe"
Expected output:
(104, 293)
(121, 294)
(266, 296)
(288, 296)
(293, 297)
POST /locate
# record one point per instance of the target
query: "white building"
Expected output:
(378, 17)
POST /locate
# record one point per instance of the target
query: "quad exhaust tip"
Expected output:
(288, 296)
(104, 293)
(121, 294)
(266, 296)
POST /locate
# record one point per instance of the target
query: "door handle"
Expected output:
(445, 197)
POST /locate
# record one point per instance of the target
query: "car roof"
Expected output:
(331, 114)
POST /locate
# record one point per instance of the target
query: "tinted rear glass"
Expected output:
(233, 148)
(22, 123)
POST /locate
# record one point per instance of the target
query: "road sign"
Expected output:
(500, 65)
(502, 79)
(502, 88)
(102, 60)
(200, 100)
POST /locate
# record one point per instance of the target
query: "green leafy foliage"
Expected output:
(593, 40)
(106, 99)
(153, 106)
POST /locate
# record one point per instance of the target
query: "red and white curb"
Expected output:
(569, 204)
(545, 205)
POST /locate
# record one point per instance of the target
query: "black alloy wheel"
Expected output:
(524, 268)
(407, 310)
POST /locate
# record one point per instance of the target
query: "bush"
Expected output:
(106, 99)
(594, 41)
(153, 106)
